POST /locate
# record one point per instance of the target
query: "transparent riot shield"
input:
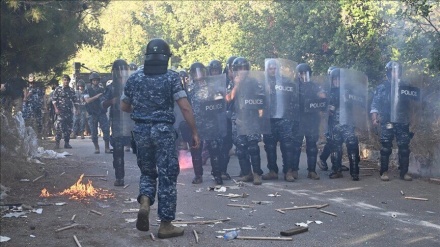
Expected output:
(284, 95)
(252, 104)
(121, 122)
(402, 96)
(207, 99)
(353, 93)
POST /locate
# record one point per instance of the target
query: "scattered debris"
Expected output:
(15, 214)
(32, 236)
(196, 236)
(76, 241)
(66, 227)
(103, 179)
(239, 205)
(416, 198)
(230, 195)
(96, 212)
(24, 180)
(130, 220)
(435, 180)
(60, 203)
(393, 215)
(302, 224)
(401, 192)
(152, 236)
(264, 238)
(73, 218)
(274, 195)
(37, 211)
(126, 186)
(318, 222)
(280, 211)
(262, 202)
(201, 222)
(198, 217)
(301, 207)
(294, 231)
(248, 228)
(199, 190)
(131, 210)
(4, 239)
(327, 212)
(62, 174)
(130, 200)
(36, 179)
(94, 176)
(220, 189)
(180, 183)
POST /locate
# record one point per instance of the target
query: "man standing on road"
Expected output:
(149, 96)
(97, 114)
(63, 100)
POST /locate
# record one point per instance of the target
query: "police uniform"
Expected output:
(381, 104)
(96, 114)
(152, 99)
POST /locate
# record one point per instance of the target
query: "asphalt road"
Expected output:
(368, 212)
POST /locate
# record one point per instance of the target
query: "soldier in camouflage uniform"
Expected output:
(196, 89)
(149, 95)
(33, 105)
(248, 151)
(96, 113)
(79, 121)
(340, 133)
(381, 114)
(64, 100)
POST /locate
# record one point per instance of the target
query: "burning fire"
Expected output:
(80, 191)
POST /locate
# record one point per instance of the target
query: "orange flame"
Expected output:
(80, 191)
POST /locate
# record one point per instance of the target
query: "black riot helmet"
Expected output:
(184, 78)
(335, 77)
(330, 69)
(156, 57)
(94, 75)
(393, 70)
(119, 70)
(133, 66)
(240, 63)
(304, 72)
(197, 71)
(229, 64)
(215, 67)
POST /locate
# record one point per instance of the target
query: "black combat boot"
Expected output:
(384, 160)
(354, 160)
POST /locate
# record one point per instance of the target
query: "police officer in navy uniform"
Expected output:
(149, 95)
(381, 115)
(308, 125)
(64, 100)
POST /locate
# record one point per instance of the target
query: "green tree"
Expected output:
(40, 36)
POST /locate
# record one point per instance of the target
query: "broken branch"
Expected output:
(327, 212)
(96, 212)
(196, 236)
(76, 241)
(415, 198)
(201, 222)
(263, 238)
(152, 236)
(33, 181)
(126, 186)
(301, 207)
(66, 227)
(239, 205)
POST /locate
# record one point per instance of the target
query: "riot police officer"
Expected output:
(148, 95)
(340, 133)
(247, 149)
(227, 142)
(120, 122)
(283, 96)
(97, 114)
(381, 114)
(308, 126)
(214, 67)
(201, 95)
(326, 151)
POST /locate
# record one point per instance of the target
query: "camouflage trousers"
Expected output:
(248, 151)
(33, 117)
(213, 147)
(281, 132)
(79, 122)
(103, 124)
(157, 158)
(63, 127)
(311, 135)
